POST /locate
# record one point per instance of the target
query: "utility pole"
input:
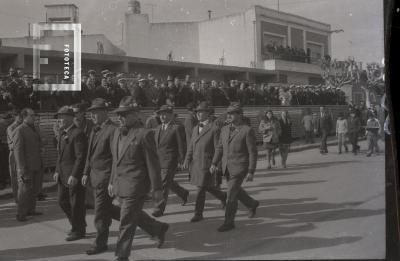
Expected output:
(152, 10)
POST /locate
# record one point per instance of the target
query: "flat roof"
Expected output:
(107, 58)
(54, 5)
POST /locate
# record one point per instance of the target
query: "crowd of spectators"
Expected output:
(16, 89)
(273, 51)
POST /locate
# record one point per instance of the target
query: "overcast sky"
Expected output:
(361, 20)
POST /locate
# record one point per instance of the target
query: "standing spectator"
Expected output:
(372, 130)
(238, 152)
(5, 121)
(325, 126)
(26, 146)
(354, 125)
(286, 136)
(270, 129)
(11, 158)
(307, 123)
(72, 150)
(341, 132)
(153, 121)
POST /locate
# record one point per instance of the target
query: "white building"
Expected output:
(235, 40)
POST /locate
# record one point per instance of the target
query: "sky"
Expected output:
(361, 20)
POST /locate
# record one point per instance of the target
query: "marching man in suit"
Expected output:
(72, 145)
(135, 168)
(26, 148)
(238, 151)
(325, 126)
(201, 150)
(171, 149)
(98, 171)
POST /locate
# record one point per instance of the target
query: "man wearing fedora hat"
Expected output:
(135, 168)
(72, 147)
(238, 151)
(201, 149)
(86, 127)
(98, 172)
(171, 150)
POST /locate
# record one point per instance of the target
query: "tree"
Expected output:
(338, 73)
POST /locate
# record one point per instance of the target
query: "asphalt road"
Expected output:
(320, 207)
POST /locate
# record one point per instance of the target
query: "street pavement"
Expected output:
(321, 207)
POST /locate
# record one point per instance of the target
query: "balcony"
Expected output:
(290, 66)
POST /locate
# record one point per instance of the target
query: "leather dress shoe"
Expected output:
(75, 236)
(185, 198)
(96, 250)
(226, 227)
(122, 259)
(196, 218)
(161, 236)
(35, 213)
(21, 218)
(252, 211)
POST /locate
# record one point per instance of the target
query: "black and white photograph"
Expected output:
(196, 130)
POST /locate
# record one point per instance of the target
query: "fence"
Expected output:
(46, 121)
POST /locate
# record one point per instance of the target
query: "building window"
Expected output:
(274, 40)
(316, 51)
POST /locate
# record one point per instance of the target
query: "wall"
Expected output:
(232, 35)
(156, 40)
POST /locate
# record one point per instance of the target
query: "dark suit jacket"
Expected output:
(171, 147)
(99, 157)
(325, 123)
(71, 155)
(26, 146)
(201, 150)
(137, 166)
(239, 152)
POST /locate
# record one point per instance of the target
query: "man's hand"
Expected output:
(249, 177)
(56, 176)
(158, 196)
(213, 169)
(110, 190)
(185, 164)
(85, 179)
(72, 181)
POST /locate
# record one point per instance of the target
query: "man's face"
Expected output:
(84, 78)
(202, 115)
(141, 84)
(233, 117)
(104, 83)
(193, 86)
(127, 119)
(321, 109)
(213, 84)
(30, 118)
(65, 120)
(170, 84)
(176, 81)
(166, 116)
(98, 116)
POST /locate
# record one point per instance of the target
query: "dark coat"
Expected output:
(238, 152)
(26, 147)
(99, 157)
(286, 131)
(171, 147)
(71, 155)
(137, 167)
(325, 123)
(201, 150)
